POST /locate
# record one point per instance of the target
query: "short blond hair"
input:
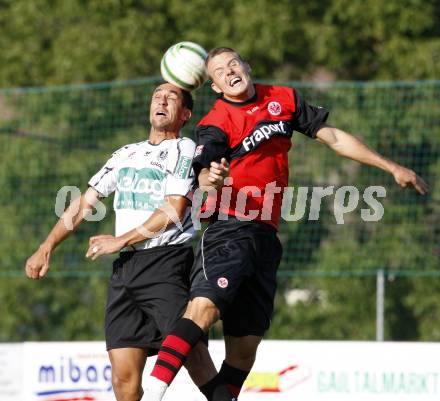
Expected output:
(220, 50)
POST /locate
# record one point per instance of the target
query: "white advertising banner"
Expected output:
(64, 371)
(11, 372)
(81, 371)
(345, 371)
(283, 371)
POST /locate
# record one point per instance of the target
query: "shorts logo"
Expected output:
(274, 108)
(222, 282)
(199, 150)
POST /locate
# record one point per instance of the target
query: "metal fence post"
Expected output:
(380, 304)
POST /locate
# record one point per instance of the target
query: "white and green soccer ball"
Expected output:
(183, 65)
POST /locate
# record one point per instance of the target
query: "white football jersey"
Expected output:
(142, 175)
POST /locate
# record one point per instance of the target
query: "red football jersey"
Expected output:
(255, 137)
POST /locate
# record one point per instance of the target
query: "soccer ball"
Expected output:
(183, 65)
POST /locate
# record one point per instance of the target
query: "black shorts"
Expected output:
(235, 267)
(148, 292)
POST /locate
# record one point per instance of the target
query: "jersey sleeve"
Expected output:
(212, 145)
(307, 119)
(105, 180)
(180, 175)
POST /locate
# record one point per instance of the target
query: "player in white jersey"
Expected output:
(148, 290)
(142, 175)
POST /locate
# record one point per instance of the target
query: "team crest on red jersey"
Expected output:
(222, 282)
(274, 108)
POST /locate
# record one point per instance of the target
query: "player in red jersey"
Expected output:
(234, 275)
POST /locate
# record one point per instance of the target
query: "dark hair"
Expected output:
(220, 50)
(187, 100)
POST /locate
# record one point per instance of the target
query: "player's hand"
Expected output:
(405, 177)
(38, 264)
(103, 245)
(218, 172)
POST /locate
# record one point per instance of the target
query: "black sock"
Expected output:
(208, 388)
(229, 377)
(233, 377)
(216, 390)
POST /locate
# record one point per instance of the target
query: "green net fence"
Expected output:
(53, 137)
(58, 136)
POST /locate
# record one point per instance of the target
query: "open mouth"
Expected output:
(234, 81)
(161, 113)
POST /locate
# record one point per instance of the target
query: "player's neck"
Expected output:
(242, 97)
(157, 136)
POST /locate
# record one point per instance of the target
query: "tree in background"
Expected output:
(58, 42)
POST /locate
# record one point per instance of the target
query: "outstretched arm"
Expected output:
(38, 264)
(345, 144)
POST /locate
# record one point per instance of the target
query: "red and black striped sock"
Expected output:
(175, 348)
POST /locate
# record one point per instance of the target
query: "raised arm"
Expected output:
(38, 264)
(345, 144)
